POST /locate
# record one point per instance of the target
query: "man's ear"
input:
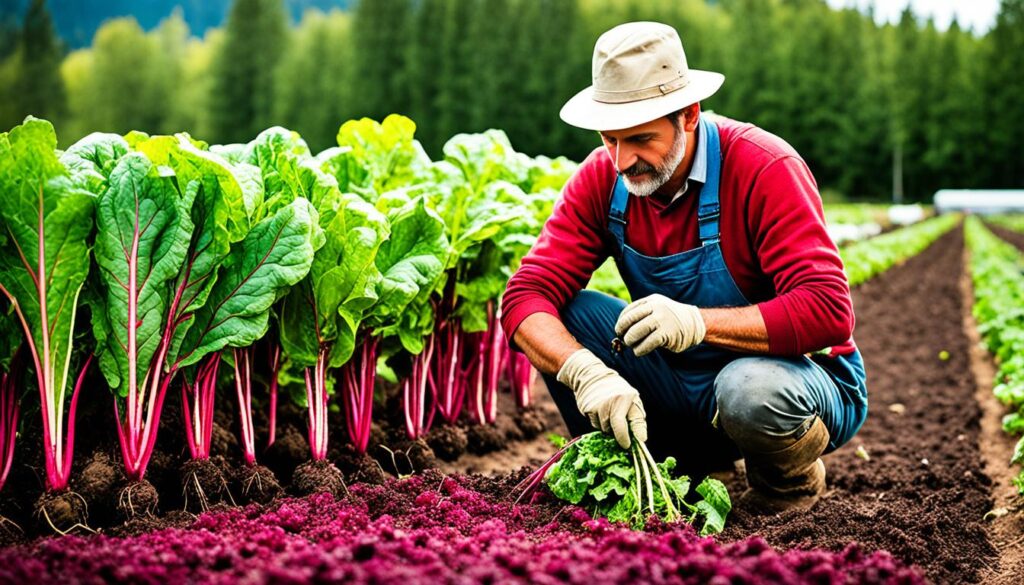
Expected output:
(691, 115)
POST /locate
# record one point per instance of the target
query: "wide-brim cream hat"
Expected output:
(640, 74)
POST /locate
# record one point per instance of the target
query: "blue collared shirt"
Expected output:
(699, 170)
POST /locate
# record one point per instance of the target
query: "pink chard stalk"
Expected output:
(44, 261)
(8, 420)
(316, 399)
(419, 413)
(486, 370)
(197, 407)
(275, 369)
(359, 376)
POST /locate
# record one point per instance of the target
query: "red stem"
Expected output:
(199, 427)
(360, 377)
(275, 366)
(243, 390)
(8, 421)
(316, 399)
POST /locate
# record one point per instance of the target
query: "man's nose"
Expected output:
(623, 156)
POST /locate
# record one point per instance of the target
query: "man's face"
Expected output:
(647, 155)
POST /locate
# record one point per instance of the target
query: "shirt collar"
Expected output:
(699, 169)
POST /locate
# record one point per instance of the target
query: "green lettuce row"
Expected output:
(1011, 222)
(869, 258)
(999, 310)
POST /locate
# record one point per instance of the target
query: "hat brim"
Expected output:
(584, 112)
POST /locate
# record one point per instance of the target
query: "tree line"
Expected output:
(857, 99)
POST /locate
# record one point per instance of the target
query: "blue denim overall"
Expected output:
(682, 393)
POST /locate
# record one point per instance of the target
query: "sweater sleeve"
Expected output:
(570, 247)
(812, 309)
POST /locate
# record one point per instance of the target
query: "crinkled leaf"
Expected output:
(275, 255)
(144, 229)
(91, 160)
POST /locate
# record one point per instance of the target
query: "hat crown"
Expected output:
(638, 60)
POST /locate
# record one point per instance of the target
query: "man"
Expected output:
(738, 341)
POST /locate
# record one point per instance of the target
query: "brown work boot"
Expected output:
(791, 477)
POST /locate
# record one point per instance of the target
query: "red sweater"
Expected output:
(772, 235)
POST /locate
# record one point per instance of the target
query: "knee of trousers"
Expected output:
(761, 402)
(590, 317)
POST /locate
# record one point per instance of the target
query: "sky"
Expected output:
(978, 15)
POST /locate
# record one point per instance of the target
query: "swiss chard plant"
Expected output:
(321, 316)
(628, 485)
(166, 223)
(47, 220)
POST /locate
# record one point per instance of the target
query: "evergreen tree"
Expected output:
(315, 89)
(9, 31)
(491, 39)
(244, 69)
(124, 91)
(1004, 108)
(380, 34)
(455, 85)
(37, 87)
(423, 58)
(170, 42)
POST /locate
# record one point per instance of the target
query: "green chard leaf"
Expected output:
(275, 255)
(46, 219)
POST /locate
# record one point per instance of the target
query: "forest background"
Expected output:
(856, 98)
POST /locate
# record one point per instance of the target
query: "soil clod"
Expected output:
(447, 441)
(315, 477)
(203, 485)
(61, 512)
(257, 484)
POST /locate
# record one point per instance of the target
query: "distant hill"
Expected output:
(77, 20)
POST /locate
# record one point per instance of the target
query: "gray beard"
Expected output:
(662, 172)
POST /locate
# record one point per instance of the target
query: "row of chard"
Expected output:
(996, 274)
(163, 259)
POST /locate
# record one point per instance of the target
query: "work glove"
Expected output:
(604, 397)
(658, 321)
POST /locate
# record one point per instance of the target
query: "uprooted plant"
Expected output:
(627, 485)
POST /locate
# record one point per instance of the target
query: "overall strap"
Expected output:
(617, 213)
(708, 209)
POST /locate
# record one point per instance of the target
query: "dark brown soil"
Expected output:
(530, 422)
(97, 484)
(359, 467)
(223, 442)
(290, 449)
(203, 484)
(137, 498)
(61, 512)
(918, 488)
(255, 484)
(10, 532)
(316, 477)
(405, 457)
(144, 523)
(448, 441)
(482, 439)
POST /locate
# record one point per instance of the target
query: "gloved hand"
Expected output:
(658, 321)
(604, 397)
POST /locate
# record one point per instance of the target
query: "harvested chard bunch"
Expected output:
(627, 485)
